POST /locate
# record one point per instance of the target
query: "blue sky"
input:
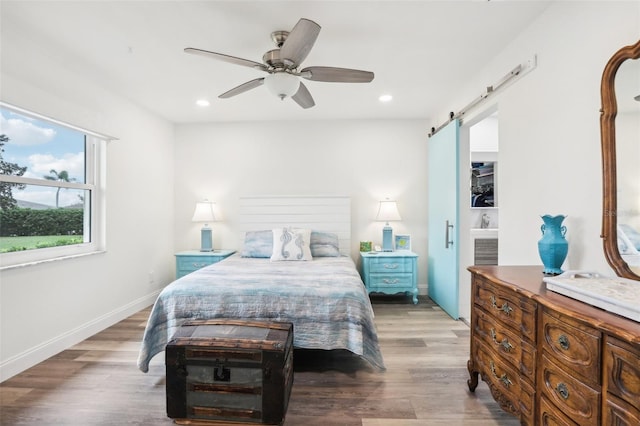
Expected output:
(42, 146)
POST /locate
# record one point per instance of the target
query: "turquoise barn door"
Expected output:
(443, 218)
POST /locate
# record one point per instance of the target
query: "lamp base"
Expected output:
(387, 244)
(206, 239)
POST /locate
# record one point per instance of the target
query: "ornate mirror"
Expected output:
(620, 137)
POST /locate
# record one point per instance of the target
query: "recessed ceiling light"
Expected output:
(385, 98)
(202, 103)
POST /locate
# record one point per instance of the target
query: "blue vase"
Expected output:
(553, 247)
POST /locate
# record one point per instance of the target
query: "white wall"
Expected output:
(484, 138)
(50, 306)
(367, 160)
(549, 156)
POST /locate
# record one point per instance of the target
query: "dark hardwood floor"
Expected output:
(97, 382)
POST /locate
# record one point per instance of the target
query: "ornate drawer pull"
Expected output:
(563, 341)
(562, 390)
(504, 308)
(198, 265)
(390, 266)
(393, 281)
(504, 379)
(506, 345)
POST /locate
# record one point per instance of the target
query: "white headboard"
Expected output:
(319, 213)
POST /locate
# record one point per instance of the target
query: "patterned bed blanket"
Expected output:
(325, 300)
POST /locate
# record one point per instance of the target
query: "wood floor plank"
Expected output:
(96, 382)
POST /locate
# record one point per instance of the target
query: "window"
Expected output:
(51, 189)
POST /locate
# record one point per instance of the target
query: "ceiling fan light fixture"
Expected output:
(282, 84)
(282, 64)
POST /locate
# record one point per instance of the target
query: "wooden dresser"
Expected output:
(549, 359)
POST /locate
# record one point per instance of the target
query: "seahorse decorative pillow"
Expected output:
(291, 244)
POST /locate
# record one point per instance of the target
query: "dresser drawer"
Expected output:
(550, 416)
(622, 371)
(576, 399)
(572, 344)
(506, 343)
(391, 280)
(390, 264)
(619, 413)
(516, 396)
(517, 312)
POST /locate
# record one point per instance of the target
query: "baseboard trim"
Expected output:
(39, 353)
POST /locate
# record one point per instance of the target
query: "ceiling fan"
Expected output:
(282, 66)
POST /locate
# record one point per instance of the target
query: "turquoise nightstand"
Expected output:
(189, 261)
(390, 272)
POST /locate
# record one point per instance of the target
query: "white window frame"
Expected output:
(95, 181)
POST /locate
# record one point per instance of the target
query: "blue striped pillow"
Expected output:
(257, 244)
(324, 244)
(260, 244)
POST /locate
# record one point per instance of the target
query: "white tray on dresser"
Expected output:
(618, 295)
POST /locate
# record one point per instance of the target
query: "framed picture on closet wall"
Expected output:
(403, 242)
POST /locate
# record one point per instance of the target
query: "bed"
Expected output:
(322, 294)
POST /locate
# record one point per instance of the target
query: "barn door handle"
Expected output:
(448, 240)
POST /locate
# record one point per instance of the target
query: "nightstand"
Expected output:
(189, 261)
(390, 272)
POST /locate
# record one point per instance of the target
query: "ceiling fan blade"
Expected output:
(243, 88)
(303, 97)
(226, 58)
(336, 75)
(299, 42)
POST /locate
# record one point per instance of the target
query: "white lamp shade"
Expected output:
(282, 84)
(388, 211)
(203, 212)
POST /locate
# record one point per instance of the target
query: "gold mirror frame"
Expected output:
(608, 114)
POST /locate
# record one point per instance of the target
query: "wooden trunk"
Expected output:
(229, 371)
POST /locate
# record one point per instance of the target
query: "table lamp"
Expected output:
(204, 213)
(387, 212)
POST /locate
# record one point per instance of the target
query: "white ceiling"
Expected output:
(420, 51)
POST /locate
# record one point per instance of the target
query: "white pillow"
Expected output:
(291, 244)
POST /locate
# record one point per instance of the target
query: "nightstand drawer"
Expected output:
(193, 263)
(190, 261)
(391, 280)
(389, 264)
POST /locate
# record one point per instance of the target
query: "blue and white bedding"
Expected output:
(324, 298)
